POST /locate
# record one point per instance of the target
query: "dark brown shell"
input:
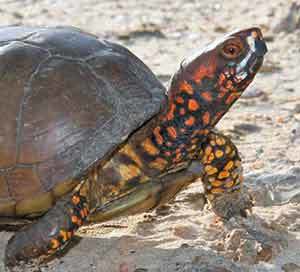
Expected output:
(67, 100)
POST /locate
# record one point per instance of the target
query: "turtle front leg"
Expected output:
(223, 177)
(49, 234)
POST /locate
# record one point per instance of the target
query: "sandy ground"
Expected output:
(265, 125)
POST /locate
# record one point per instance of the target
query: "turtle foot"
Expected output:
(227, 205)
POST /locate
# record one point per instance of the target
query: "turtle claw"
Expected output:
(227, 205)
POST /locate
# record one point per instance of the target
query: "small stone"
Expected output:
(265, 254)
(295, 133)
(291, 267)
(185, 232)
(163, 210)
(280, 120)
(297, 108)
(253, 93)
(249, 128)
(17, 15)
(220, 29)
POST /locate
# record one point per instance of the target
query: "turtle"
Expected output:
(88, 132)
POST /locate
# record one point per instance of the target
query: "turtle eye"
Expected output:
(232, 49)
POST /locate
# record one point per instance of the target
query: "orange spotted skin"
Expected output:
(222, 166)
(52, 233)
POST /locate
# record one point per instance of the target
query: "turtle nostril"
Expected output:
(260, 48)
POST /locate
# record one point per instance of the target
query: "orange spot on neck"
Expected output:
(231, 98)
(204, 71)
(190, 121)
(172, 132)
(186, 87)
(193, 105)
(206, 118)
(222, 78)
(149, 147)
(170, 114)
(182, 111)
(206, 96)
(159, 139)
(217, 117)
(179, 100)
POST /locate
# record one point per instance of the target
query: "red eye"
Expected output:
(232, 49)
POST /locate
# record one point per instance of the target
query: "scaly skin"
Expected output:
(174, 149)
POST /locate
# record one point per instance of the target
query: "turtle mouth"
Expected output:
(248, 67)
(255, 64)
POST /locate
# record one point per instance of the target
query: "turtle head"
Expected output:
(218, 75)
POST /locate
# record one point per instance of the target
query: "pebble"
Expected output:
(291, 267)
(185, 232)
(249, 128)
(253, 93)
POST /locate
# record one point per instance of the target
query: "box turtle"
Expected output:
(89, 133)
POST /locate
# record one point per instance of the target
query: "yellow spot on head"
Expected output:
(149, 147)
(219, 153)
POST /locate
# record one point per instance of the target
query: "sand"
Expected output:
(184, 236)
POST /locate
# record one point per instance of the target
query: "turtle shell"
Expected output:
(67, 100)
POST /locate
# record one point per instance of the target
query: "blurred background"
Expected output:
(264, 123)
